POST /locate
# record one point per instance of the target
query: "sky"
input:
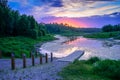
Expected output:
(77, 13)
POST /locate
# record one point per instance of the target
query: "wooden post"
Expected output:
(24, 61)
(33, 60)
(51, 57)
(12, 61)
(46, 58)
(40, 58)
(0, 54)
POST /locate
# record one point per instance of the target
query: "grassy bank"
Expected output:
(20, 45)
(92, 69)
(104, 35)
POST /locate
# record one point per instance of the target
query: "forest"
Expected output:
(14, 24)
(110, 28)
(67, 30)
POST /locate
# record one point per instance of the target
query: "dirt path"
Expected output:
(39, 72)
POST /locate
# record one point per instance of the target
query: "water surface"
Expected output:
(105, 49)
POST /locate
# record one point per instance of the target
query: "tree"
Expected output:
(117, 27)
(107, 28)
(41, 30)
(3, 3)
(2, 22)
(14, 24)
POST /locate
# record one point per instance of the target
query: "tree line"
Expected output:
(110, 28)
(14, 24)
(56, 28)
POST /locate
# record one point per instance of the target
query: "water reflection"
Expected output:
(75, 40)
(58, 47)
(100, 48)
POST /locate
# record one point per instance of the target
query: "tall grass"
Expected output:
(92, 69)
(108, 68)
(20, 45)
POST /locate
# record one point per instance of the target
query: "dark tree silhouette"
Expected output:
(110, 28)
(3, 3)
(14, 24)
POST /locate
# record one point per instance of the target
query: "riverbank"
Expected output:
(20, 45)
(92, 69)
(102, 35)
(46, 71)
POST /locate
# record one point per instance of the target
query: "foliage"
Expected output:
(68, 30)
(92, 60)
(80, 70)
(110, 28)
(3, 3)
(100, 70)
(59, 28)
(14, 24)
(103, 35)
(108, 68)
(20, 45)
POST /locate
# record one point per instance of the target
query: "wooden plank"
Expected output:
(73, 56)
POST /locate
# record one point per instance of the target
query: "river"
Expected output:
(102, 48)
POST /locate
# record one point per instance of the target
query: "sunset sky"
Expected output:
(72, 12)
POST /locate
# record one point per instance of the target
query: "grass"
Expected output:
(92, 69)
(20, 45)
(103, 35)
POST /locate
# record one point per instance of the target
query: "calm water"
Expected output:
(100, 48)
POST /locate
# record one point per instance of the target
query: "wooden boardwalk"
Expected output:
(73, 56)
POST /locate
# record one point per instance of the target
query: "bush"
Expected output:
(20, 45)
(80, 70)
(108, 68)
(92, 60)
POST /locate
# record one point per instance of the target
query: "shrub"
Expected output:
(92, 60)
(108, 68)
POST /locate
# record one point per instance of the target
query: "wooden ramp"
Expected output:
(73, 56)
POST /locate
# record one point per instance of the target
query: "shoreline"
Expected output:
(47, 49)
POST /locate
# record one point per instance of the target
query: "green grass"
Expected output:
(20, 45)
(92, 69)
(108, 68)
(103, 35)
